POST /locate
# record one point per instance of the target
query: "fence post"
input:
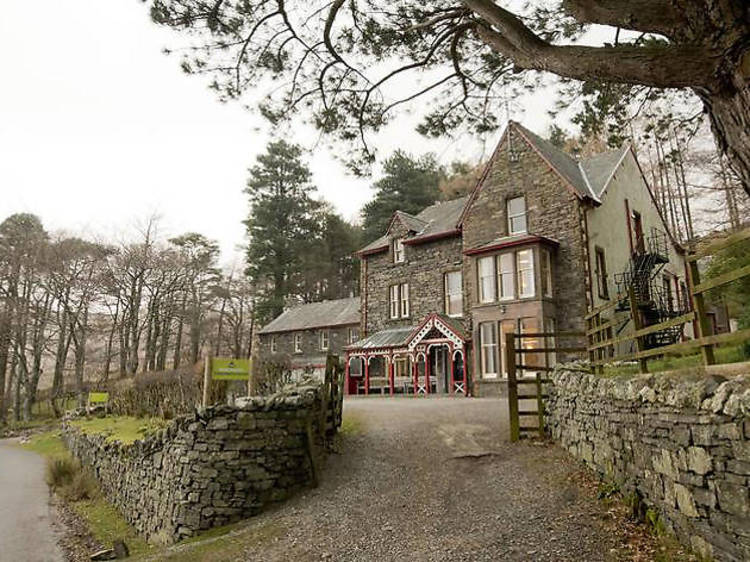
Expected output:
(637, 325)
(206, 378)
(699, 306)
(540, 404)
(510, 362)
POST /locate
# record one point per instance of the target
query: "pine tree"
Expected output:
(409, 184)
(283, 221)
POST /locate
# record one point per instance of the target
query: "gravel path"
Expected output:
(26, 532)
(434, 479)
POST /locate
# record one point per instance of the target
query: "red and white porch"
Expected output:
(428, 359)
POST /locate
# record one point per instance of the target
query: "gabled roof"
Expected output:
(564, 164)
(439, 219)
(587, 178)
(600, 168)
(324, 314)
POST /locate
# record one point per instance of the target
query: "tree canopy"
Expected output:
(337, 61)
(408, 184)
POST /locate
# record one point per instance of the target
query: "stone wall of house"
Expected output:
(423, 269)
(681, 442)
(311, 354)
(215, 466)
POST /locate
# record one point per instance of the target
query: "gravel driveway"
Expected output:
(430, 479)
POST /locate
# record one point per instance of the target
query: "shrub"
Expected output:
(70, 480)
(60, 471)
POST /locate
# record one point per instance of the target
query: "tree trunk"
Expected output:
(80, 357)
(729, 113)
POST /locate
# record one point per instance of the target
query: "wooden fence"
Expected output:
(602, 345)
(532, 387)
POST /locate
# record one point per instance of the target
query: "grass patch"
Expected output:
(125, 429)
(107, 525)
(730, 354)
(351, 425)
(82, 492)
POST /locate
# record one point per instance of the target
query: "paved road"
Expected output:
(26, 532)
(433, 480)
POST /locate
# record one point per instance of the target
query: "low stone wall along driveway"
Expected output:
(432, 479)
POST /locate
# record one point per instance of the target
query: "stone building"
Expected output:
(306, 334)
(530, 250)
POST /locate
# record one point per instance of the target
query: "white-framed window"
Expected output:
(516, 209)
(398, 251)
(506, 276)
(297, 343)
(398, 301)
(353, 335)
(488, 346)
(525, 269)
(324, 343)
(404, 292)
(454, 300)
(274, 347)
(486, 269)
(545, 264)
(393, 300)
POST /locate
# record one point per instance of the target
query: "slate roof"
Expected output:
(440, 218)
(392, 337)
(508, 241)
(589, 176)
(322, 314)
(600, 167)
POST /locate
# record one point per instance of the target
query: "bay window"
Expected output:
(525, 269)
(488, 347)
(545, 264)
(505, 276)
(487, 287)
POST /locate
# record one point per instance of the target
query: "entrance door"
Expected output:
(440, 368)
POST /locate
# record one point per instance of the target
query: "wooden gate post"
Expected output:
(206, 378)
(510, 363)
(699, 307)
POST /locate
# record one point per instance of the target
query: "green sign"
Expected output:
(224, 369)
(98, 397)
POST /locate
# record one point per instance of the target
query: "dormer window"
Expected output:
(398, 251)
(516, 209)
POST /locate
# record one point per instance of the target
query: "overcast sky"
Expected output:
(99, 129)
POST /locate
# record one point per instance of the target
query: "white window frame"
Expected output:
(457, 293)
(517, 215)
(393, 302)
(545, 275)
(481, 276)
(325, 340)
(297, 343)
(502, 275)
(274, 346)
(399, 254)
(488, 349)
(353, 335)
(520, 272)
(404, 307)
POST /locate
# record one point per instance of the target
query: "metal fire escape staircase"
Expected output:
(654, 302)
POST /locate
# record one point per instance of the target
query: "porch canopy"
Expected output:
(410, 347)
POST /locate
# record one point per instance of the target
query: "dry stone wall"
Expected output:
(681, 443)
(215, 466)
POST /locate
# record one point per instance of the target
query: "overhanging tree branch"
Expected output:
(664, 67)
